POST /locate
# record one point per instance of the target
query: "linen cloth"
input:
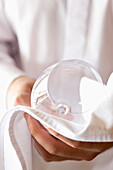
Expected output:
(97, 126)
(36, 34)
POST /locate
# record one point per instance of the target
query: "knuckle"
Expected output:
(47, 157)
(56, 134)
(53, 150)
(47, 160)
(90, 158)
(33, 132)
(76, 144)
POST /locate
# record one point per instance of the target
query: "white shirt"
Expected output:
(35, 34)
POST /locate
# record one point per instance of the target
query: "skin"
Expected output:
(49, 144)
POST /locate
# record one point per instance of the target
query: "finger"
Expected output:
(61, 137)
(47, 156)
(93, 146)
(55, 146)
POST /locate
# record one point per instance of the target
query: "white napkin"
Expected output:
(93, 125)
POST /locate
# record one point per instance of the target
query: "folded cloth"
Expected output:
(95, 125)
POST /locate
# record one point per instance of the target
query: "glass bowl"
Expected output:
(57, 90)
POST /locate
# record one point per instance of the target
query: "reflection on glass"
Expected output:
(57, 90)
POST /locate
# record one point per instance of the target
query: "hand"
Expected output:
(55, 147)
(51, 145)
(19, 92)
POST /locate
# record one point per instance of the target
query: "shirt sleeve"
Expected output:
(8, 52)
